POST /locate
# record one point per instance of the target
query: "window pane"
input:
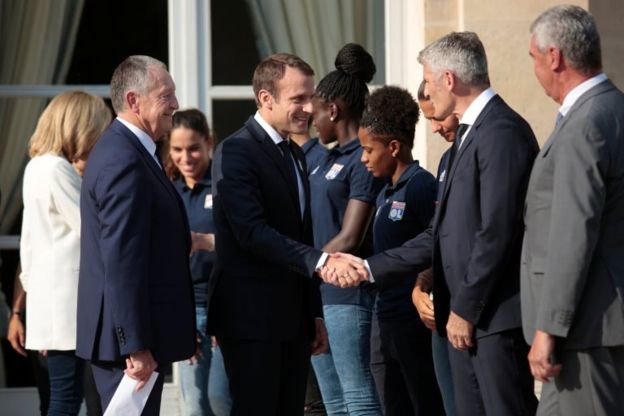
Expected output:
(234, 53)
(112, 30)
(244, 31)
(229, 115)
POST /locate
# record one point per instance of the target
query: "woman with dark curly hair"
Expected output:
(343, 204)
(401, 356)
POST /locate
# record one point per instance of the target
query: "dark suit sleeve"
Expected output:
(504, 161)
(236, 175)
(316, 304)
(421, 196)
(414, 256)
(123, 200)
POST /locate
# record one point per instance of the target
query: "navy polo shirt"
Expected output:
(198, 204)
(403, 212)
(314, 151)
(339, 177)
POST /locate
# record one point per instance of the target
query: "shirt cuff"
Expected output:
(370, 274)
(321, 262)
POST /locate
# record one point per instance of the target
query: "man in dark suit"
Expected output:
(572, 268)
(264, 298)
(475, 237)
(135, 301)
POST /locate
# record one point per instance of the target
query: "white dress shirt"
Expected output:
(576, 92)
(474, 110)
(147, 142)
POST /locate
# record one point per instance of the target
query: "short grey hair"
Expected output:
(461, 53)
(132, 74)
(573, 31)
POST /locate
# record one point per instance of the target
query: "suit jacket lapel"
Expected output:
(496, 100)
(271, 149)
(598, 89)
(153, 166)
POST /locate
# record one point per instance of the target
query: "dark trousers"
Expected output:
(91, 395)
(40, 369)
(267, 377)
(65, 372)
(108, 376)
(493, 378)
(402, 366)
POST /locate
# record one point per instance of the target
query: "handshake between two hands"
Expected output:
(344, 270)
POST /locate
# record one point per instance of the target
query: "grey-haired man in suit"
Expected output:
(572, 260)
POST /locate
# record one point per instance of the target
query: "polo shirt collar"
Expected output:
(180, 183)
(347, 148)
(405, 176)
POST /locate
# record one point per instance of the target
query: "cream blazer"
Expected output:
(50, 252)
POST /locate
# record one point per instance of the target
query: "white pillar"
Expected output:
(405, 37)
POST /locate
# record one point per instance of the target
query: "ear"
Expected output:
(556, 58)
(132, 101)
(265, 99)
(210, 141)
(334, 111)
(449, 80)
(395, 147)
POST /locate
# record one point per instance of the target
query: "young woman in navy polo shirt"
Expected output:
(401, 356)
(343, 203)
(188, 165)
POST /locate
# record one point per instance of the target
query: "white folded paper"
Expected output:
(127, 401)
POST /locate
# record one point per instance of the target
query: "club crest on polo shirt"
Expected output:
(396, 211)
(208, 201)
(334, 171)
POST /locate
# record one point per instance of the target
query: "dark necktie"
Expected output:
(160, 162)
(288, 159)
(458, 137)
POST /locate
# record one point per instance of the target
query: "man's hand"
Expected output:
(321, 340)
(424, 306)
(344, 270)
(198, 351)
(459, 332)
(140, 366)
(540, 357)
(16, 334)
(201, 241)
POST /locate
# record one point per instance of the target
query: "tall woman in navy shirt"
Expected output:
(343, 203)
(188, 165)
(401, 357)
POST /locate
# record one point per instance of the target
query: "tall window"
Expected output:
(228, 39)
(47, 47)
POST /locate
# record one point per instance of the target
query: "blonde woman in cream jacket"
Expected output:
(50, 240)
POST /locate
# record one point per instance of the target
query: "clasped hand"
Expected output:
(344, 270)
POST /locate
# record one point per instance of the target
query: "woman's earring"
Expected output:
(331, 118)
